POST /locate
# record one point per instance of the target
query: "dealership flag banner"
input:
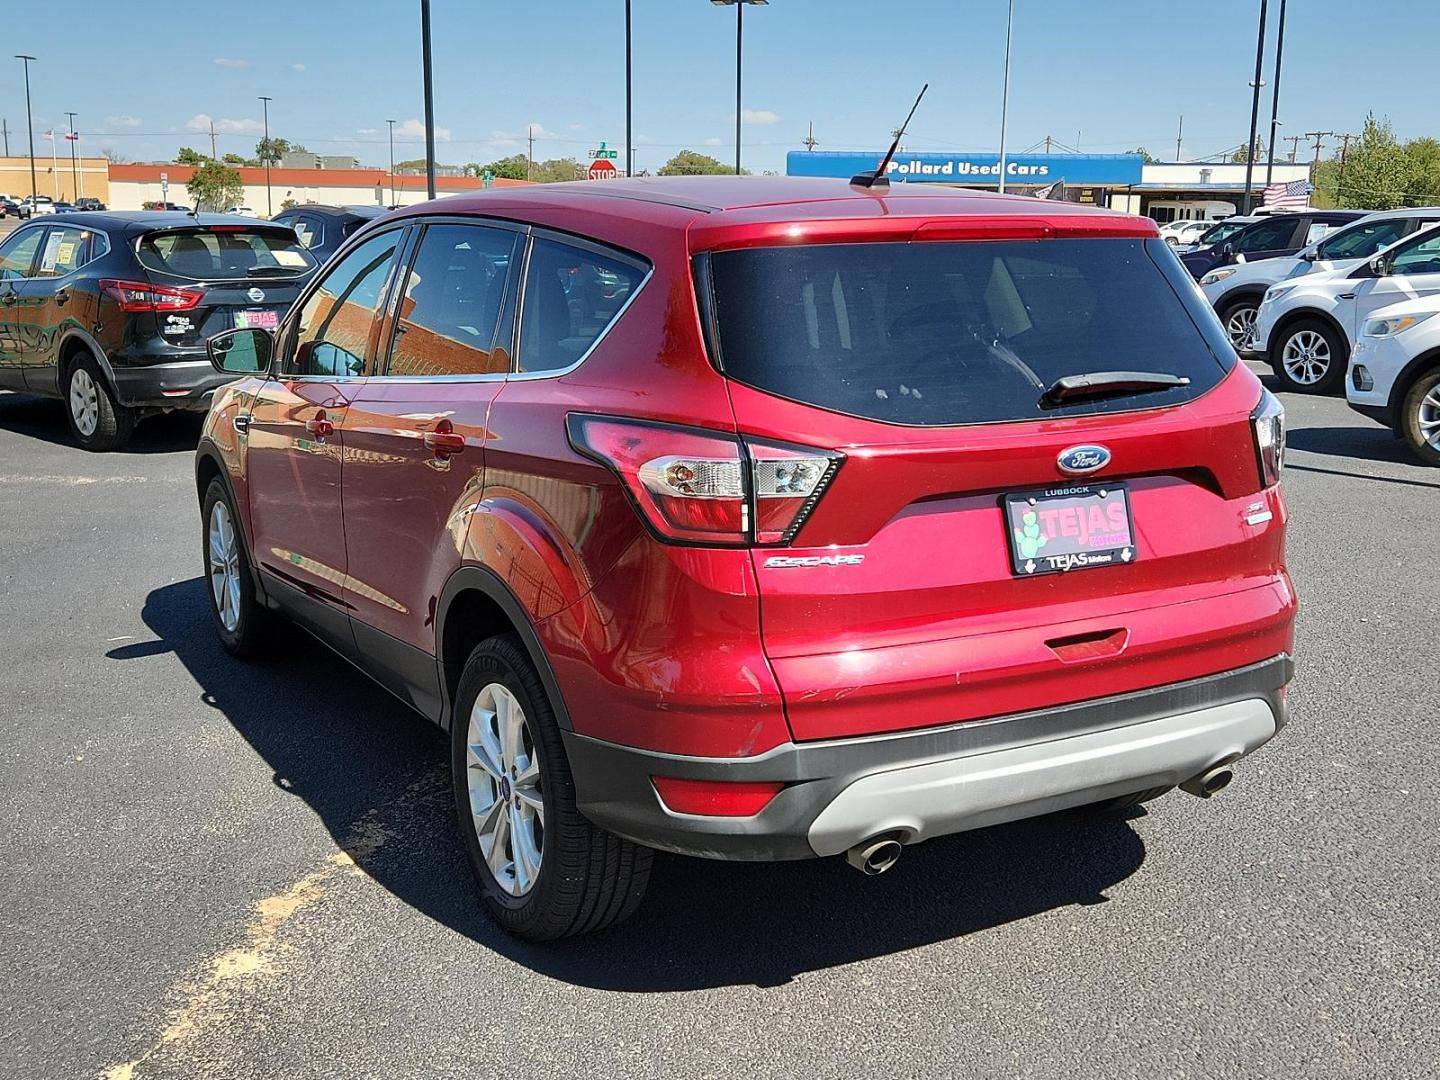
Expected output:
(1291, 196)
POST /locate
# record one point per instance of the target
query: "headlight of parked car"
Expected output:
(1392, 326)
(1275, 292)
(1217, 275)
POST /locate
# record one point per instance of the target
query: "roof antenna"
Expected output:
(877, 178)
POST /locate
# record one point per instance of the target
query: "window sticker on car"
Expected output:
(288, 258)
(177, 324)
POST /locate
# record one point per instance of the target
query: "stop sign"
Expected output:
(600, 169)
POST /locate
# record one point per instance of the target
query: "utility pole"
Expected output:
(1294, 141)
(1048, 141)
(74, 170)
(429, 99)
(1179, 132)
(30, 125)
(213, 156)
(1319, 137)
(810, 141)
(392, 162)
(269, 153)
(1255, 86)
(530, 153)
(5, 131)
(1344, 153)
(1275, 95)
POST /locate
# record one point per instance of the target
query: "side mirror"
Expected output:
(245, 351)
(1310, 256)
(1381, 266)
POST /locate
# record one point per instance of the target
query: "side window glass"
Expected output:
(572, 295)
(311, 231)
(1420, 258)
(450, 306)
(66, 249)
(1272, 234)
(332, 332)
(17, 253)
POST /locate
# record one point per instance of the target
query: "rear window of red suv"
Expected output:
(960, 333)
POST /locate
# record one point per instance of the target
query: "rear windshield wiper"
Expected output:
(1107, 383)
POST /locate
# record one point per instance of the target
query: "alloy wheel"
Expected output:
(84, 402)
(1306, 357)
(1240, 327)
(1429, 418)
(224, 566)
(503, 777)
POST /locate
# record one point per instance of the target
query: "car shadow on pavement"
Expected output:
(375, 773)
(1368, 443)
(44, 419)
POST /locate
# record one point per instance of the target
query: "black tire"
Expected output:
(1232, 310)
(101, 423)
(251, 624)
(588, 879)
(1339, 357)
(1127, 802)
(1426, 386)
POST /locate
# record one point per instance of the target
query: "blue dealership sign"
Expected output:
(1082, 170)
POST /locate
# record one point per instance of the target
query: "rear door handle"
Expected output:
(320, 427)
(241, 422)
(445, 443)
(62, 295)
(7, 297)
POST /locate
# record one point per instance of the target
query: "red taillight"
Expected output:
(716, 798)
(706, 487)
(142, 296)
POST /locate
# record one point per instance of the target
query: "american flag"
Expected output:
(1295, 194)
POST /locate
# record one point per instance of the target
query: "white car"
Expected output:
(1306, 327)
(1186, 232)
(1395, 373)
(36, 206)
(1235, 291)
(242, 211)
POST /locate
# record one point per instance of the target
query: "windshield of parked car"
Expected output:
(962, 333)
(1220, 232)
(223, 253)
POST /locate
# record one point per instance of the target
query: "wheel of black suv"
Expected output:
(239, 619)
(1420, 418)
(543, 870)
(97, 420)
(1238, 318)
(1310, 357)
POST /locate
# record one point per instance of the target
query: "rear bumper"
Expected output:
(186, 384)
(937, 781)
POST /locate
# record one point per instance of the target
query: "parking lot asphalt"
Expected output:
(220, 870)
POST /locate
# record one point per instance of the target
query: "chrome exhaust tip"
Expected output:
(1210, 782)
(874, 856)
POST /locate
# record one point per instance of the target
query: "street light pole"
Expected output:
(392, 162)
(1005, 93)
(74, 171)
(739, 6)
(429, 99)
(30, 123)
(269, 153)
(1275, 96)
(629, 142)
(1255, 107)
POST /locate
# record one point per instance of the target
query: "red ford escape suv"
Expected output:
(761, 519)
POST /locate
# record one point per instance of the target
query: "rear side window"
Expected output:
(223, 254)
(450, 307)
(68, 248)
(961, 333)
(572, 295)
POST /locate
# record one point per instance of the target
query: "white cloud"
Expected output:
(758, 116)
(713, 141)
(231, 62)
(367, 131)
(575, 126)
(531, 130)
(225, 125)
(123, 121)
(297, 67)
(416, 129)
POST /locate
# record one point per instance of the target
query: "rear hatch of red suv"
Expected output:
(203, 278)
(1040, 474)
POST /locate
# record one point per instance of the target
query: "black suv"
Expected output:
(111, 311)
(1269, 238)
(322, 229)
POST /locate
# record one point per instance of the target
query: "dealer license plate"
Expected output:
(1068, 528)
(257, 319)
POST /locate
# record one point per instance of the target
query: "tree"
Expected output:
(1381, 173)
(188, 156)
(274, 148)
(689, 163)
(114, 156)
(235, 159)
(556, 170)
(215, 187)
(1144, 154)
(514, 167)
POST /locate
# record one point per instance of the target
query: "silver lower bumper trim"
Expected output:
(973, 791)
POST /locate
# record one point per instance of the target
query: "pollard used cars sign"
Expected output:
(1090, 170)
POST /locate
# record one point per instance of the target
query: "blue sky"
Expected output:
(336, 71)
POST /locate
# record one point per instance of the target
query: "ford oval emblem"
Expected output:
(1083, 459)
(256, 295)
